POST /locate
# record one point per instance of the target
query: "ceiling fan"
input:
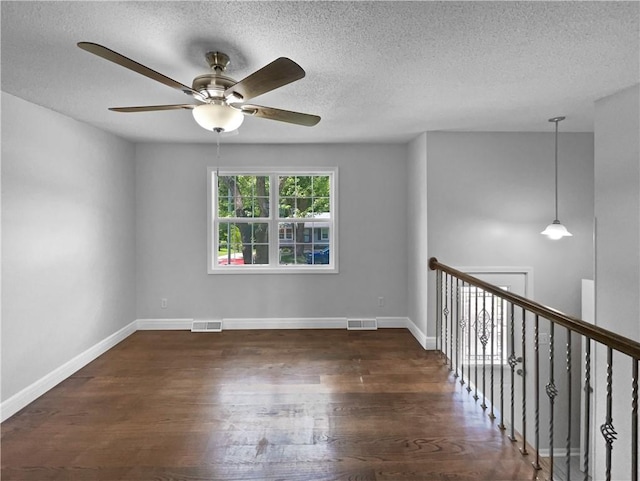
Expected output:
(221, 107)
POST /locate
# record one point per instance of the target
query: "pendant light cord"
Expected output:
(556, 155)
(555, 120)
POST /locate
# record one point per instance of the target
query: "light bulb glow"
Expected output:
(218, 116)
(556, 231)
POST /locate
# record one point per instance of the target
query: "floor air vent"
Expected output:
(206, 326)
(362, 324)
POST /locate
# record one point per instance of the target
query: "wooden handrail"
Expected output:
(603, 336)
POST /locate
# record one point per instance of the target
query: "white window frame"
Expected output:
(273, 220)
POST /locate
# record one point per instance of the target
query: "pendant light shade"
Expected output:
(556, 230)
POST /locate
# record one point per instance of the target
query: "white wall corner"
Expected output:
(427, 343)
(32, 392)
(164, 324)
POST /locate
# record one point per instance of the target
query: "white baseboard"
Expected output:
(233, 324)
(239, 323)
(164, 324)
(29, 394)
(427, 343)
(559, 452)
(32, 392)
(393, 322)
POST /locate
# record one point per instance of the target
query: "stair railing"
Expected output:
(476, 326)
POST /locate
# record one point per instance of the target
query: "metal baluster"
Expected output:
(493, 323)
(536, 376)
(438, 310)
(501, 426)
(484, 340)
(469, 345)
(607, 430)
(552, 392)
(568, 458)
(475, 396)
(451, 307)
(634, 421)
(455, 371)
(512, 365)
(463, 326)
(587, 408)
(523, 450)
(446, 316)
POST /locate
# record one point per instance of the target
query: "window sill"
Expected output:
(274, 270)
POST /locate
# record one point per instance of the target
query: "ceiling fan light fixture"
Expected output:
(216, 116)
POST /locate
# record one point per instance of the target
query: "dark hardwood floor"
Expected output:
(312, 405)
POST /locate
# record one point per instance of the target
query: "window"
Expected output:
(487, 327)
(247, 234)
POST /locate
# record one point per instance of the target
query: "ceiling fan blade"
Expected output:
(152, 108)
(126, 62)
(270, 113)
(281, 71)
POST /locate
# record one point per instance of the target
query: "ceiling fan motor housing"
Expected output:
(212, 85)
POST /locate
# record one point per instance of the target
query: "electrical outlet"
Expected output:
(163, 303)
(380, 301)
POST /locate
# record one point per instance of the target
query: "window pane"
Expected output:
(321, 186)
(321, 205)
(287, 207)
(286, 255)
(304, 206)
(317, 232)
(243, 243)
(243, 196)
(286, 186)
(319, 255)
(298, 243)
(260, 254)
(285, 233)
(304, 185)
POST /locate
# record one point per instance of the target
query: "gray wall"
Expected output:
(68, 246)
(171, 181)
(417, 252)
(489, 196)
(617, 287)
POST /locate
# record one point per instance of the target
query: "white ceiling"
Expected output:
(376, 71)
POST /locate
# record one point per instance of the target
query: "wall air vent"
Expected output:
(362, 324)
(206, 326)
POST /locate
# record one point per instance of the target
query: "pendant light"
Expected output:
(556, 230)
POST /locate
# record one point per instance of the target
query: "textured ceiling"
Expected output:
(376, 71)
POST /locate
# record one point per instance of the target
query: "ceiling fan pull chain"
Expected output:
(217, 153)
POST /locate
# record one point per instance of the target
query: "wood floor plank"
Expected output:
(313, 405)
